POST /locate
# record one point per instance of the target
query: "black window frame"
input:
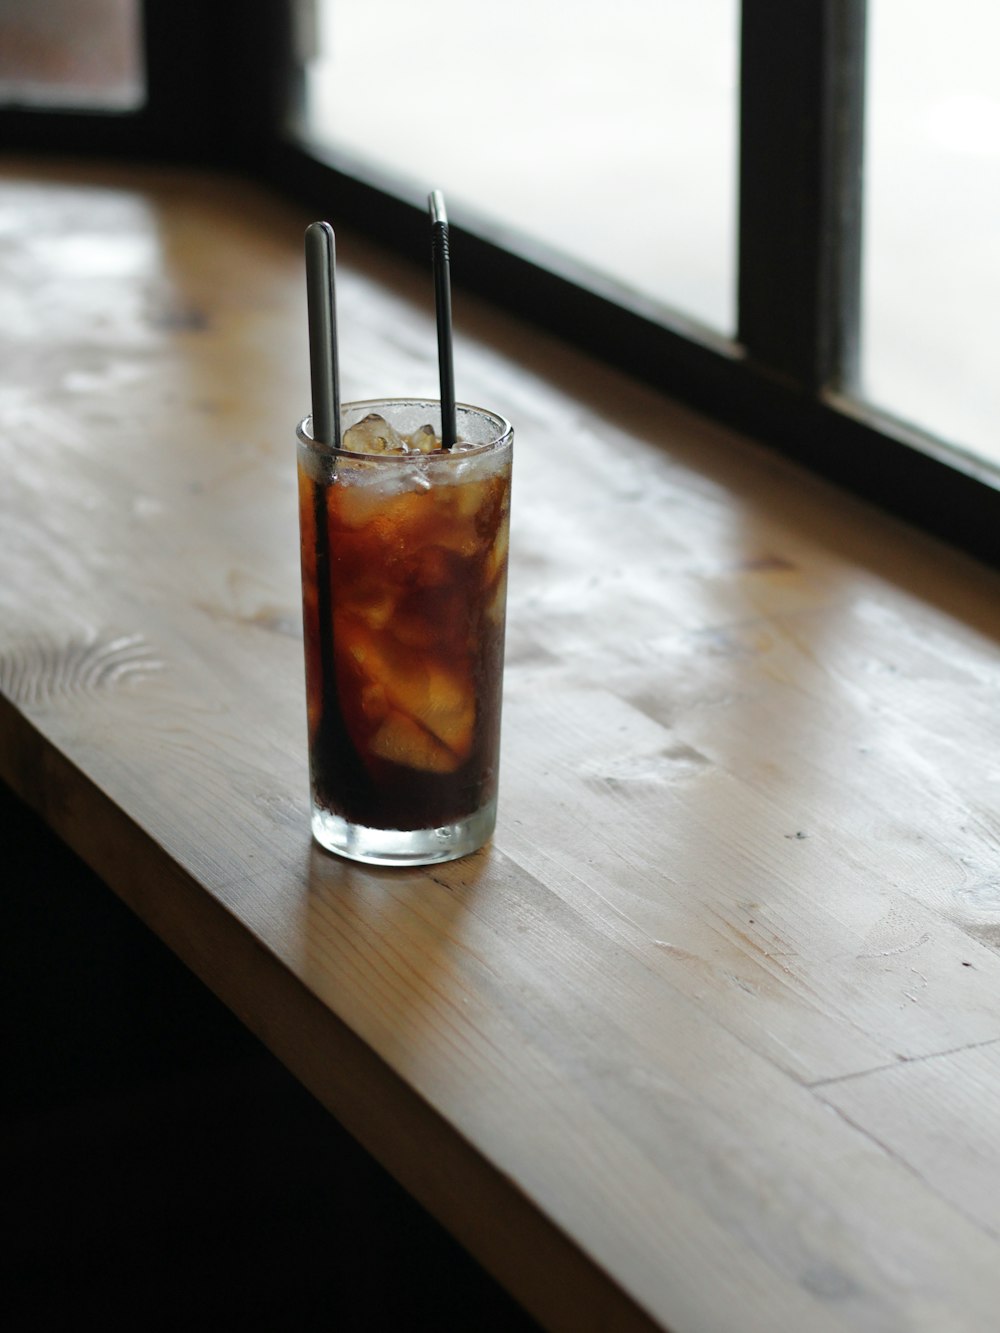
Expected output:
(221, 77)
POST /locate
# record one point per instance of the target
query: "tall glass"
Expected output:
(404, 582)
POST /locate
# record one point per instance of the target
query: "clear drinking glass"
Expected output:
(404, 581)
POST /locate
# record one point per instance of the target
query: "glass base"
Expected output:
(403, 847)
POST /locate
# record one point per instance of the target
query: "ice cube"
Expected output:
(370, 601)
(374, 435)
(374, 703)
(470, 497)
(497, 605)
(357, 505)
(449, 709)
(424, 440)
(403, 741)
(431, 567)
(496, 557)
(436, 699)
(414, 631)
(414, 478)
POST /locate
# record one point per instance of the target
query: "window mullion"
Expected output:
(217, 77)
(801, 108)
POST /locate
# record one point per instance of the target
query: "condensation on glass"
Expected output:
(606, 131)
(931, 266)
(68, 54)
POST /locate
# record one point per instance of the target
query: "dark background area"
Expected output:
(160, 1169)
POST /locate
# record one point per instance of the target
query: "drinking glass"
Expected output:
(404, 581)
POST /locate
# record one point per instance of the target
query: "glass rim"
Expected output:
(504, 432)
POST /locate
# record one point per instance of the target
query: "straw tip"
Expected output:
(320, 243)
(435, 201)
(320, 246)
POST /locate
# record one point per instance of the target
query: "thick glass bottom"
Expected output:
(403, 847)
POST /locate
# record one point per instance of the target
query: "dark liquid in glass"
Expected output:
(404, 596)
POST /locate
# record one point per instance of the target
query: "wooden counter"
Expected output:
(708, 1038)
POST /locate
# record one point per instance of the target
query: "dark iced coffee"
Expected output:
(404, 575)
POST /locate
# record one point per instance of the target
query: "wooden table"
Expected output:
(709, 1037)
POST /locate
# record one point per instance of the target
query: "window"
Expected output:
(790, 338)
(931, 272)
(607, 132)
(82, 53)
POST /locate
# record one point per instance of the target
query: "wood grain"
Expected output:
(707, 1037)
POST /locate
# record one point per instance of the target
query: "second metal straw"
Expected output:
(442, 300)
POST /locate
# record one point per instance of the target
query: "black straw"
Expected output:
(442, 299)
(321, 297)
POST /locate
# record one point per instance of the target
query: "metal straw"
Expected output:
(442, 299)
(321, 297)
(330, 737)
